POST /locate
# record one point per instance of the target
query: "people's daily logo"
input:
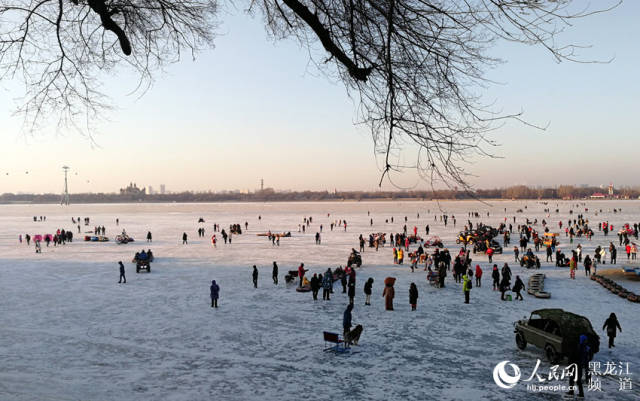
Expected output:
(502, 378)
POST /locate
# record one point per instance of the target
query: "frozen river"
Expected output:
(70, 332)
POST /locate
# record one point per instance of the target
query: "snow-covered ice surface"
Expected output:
(69, 332)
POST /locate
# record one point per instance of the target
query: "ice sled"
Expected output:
(123, 239)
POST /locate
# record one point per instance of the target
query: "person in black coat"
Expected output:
(413, 296)
(122, 277)
(367, 291)
(611, 324)
(315, 286)
(581, 358)
(215, 293)
(352, 276)
(495, 275)
(613, 252)
(274, 273)
(184, 238)
(504, 287)
(458, 268)
(255, 276)
(587, 265)
(346, 319)
(351, 292)
(442, 273)
(506, 271)
(343, 281)
(517, 287)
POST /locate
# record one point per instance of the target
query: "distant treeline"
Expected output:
(269, 195)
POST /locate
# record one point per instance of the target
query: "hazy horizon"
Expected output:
(252, 109)
(156, 189)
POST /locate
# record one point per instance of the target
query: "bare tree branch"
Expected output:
(61, 49)
(426, 63)
(416, 67)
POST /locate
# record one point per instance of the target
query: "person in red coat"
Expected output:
(301, 271)
(352, 275)
(478, 276)
(490, 254)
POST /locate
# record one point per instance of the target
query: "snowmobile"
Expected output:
(354, 259)
(123, 239)
(530, 262)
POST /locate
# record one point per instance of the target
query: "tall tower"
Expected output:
(261, 184)
(610, 189)
(65, 193)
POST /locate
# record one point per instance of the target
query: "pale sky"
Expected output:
(251, 108)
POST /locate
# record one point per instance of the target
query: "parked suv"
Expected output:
(556, 331)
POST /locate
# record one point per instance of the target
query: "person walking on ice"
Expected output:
(274, 273)
(122, 277)
(413, 296)
(478, 276)
(184, 238)
(572, 268)
(346, 320)
(215, 293)
(316, 283)
(611, 324)
(495, 275)
(388, 293)
(327, 284)
(351, 291)
(517, 287)
(587, 265)
(255, 276)
(367, 291)
(466, 288)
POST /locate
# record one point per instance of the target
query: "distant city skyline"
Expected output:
(221, 123)
(150, 189)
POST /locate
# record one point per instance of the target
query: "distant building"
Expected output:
(150, 192)
(162, 189)
(610, 189)
(133, 189)
(598, 195)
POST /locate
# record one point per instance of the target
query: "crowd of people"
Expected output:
(531, 237)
